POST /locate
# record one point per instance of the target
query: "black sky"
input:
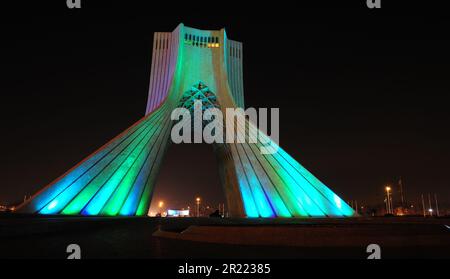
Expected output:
(363, 94)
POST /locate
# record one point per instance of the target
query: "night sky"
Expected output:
(363, 94)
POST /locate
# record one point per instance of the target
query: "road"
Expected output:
(48, 237)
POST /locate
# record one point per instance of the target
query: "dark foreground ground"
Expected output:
(48, 237)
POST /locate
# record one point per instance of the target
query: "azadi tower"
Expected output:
(119, 178)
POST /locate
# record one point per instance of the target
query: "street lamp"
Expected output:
(160, 206)
(197, 201)
(388, 202)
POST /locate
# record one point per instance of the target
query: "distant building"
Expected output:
(178, 213)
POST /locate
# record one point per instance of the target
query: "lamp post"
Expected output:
(431, 207)
(437, 206)
(160, 206)
(423, 207)
(197, 201)
(388, 200)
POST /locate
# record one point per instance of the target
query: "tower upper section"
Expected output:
(189, 55)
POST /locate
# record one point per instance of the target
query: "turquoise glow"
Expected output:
(132, 201)
(249, 202)
(123, 176)
(117, 199)
(72, 199)
(118, 179)
(52, 204)
(278, 206)
(298, 204)
(250, 206)
(261, 200)
(298, 189)
(51, 193)
(316, 193)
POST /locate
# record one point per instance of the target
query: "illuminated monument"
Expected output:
(119, 178)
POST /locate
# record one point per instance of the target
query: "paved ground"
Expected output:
(48, 237)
